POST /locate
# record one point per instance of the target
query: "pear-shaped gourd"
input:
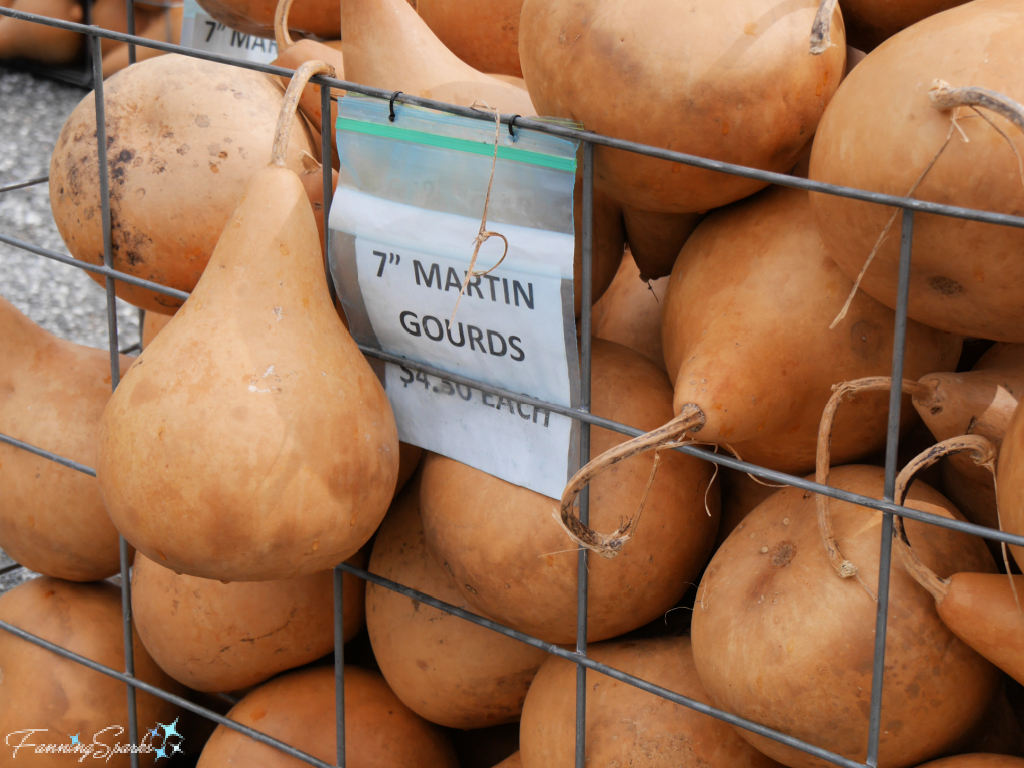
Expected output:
(252, 441)
(976, 402)
(52, 395)
(746, 335)
(386, 45)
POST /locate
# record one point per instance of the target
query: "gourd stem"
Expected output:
(690, 418)
(822, 27)
(984, 454)
(842, 566)
(284, 40)
(291, 102)
(944, 97)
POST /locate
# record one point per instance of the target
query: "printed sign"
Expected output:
(399, 269)
(203, 33)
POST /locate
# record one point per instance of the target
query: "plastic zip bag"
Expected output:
(403, 223)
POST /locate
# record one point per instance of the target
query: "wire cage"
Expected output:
(589, 140)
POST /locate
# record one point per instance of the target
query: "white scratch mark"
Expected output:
(279, 312)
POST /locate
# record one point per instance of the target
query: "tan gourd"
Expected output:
(52, 395)
(731, 81)
(627, 726)
(890, 121)
(408, 455)
(780, 638)
(629, 312)
(224, 637)
(514, 563)
(298, 709)
(745, 328)
(978, 402)
(256, 17)
(165, 28)
(445, 669)
(38, 42)
(386, 45)
(483, 33)
(746, 334)
(278, 448)
(184, 137)
(62, 698)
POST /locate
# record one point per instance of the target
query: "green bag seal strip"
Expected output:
(461, 145)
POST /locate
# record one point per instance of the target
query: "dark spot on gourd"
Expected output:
(470, 589)
(422, 664)
(183, 149)
(781, 554)
(945, 285)
(936, 410)
(203, 121)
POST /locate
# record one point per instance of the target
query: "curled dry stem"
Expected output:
(984, 454)
(281, 36)
(291, 102)
(944, 97)
(821, 29)
(668, 436)
(842, 566)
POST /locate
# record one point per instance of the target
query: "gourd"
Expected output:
(891, 129)
(730, 81)
(512, 562)
(445, 669)
(52, 395)
(225, 637)
(278, 448)
(184, 136)
(63, 698)
(298, 709)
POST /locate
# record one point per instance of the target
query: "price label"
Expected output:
(510, 330)
(200, 32)
(403, 223)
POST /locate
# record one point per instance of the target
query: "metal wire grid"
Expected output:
(582, 414)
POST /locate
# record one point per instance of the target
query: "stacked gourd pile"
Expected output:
(250, 447)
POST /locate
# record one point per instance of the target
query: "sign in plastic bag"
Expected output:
(202, 33)
(403, 224)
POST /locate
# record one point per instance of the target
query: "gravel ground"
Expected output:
(62, 299)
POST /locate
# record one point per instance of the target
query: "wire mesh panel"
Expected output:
(908, 206)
